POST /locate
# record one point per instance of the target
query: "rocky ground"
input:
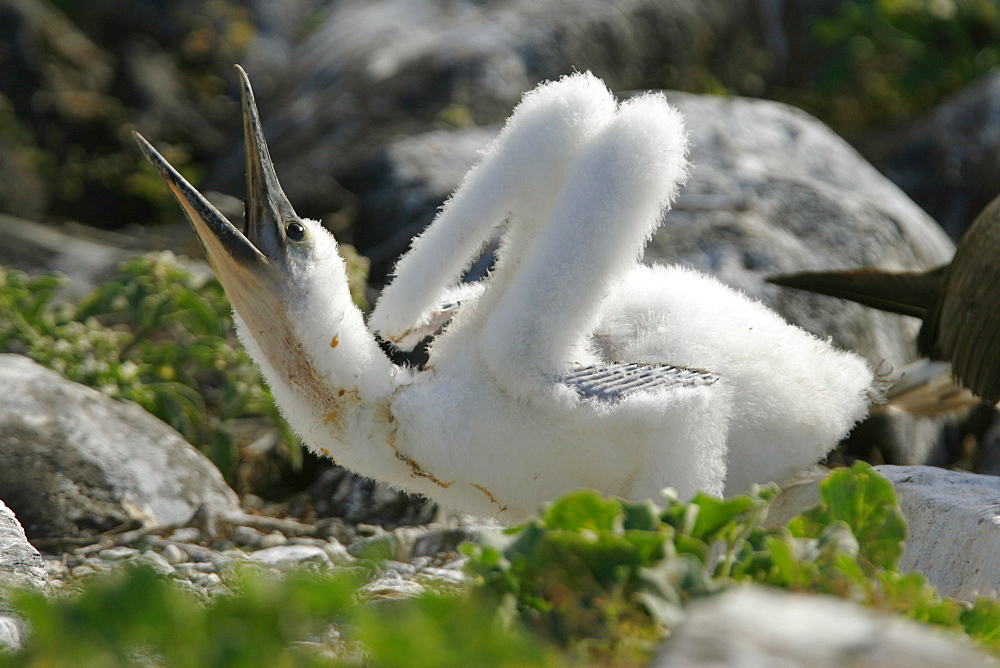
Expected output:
(373, 112)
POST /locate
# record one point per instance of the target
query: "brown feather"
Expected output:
(967, 322)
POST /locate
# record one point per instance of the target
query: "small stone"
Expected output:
(368, 529)
(273, 539)
(12, 633)
(392, 585)
(189, 568)
(56, 569)
(400, 568)
(174, 554)
(186, 535)
(248, 536)
(120, 553)
(82, 570)
(157, 561)
(288, 556)
(338, 553)
(434, 540)
(444, 574)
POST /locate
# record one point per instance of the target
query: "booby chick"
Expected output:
(520, 402)
(567, 184)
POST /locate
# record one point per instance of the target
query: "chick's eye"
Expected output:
(295, 231)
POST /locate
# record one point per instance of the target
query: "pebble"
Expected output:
(83, 570)
(186, 535)
(392, 585)
(191, 568)
(56, 569)
(157, 561)
(203, 570)
(337, 552)
(174, 555)
(273, 539)
(444, 575)
(120, 553)
(288, 556)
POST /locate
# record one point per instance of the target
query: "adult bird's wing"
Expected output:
(967, 322)
(611, 382)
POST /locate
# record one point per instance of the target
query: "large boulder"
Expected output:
(949, 162)
(758, 626)
(954, 520)
(74, 462)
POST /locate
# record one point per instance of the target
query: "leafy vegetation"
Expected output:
(890, 59)
(157, 335)
(589, 579)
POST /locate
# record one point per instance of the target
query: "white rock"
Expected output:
(289, 556)
(13, 633)
(174, 554)
(20, 562)
(119, 553)
(753, 627)
(75, 462)
(337, 552)
(393, 585)
(273, 539)
(954, 520)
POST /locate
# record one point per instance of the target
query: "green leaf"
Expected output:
(866, 501)
(584, 509)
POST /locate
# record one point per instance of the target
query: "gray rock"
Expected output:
(755, 627)
(174, 555)
(20, 563)
(13, 633)
(290, 556)
(948, 162)
(392, 585)
(954, 524)
(74, 462)
(21, 566)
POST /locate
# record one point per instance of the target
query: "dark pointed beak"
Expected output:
(267, 207)
(234, 255)
(224, 244)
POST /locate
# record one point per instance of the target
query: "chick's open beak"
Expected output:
(229, 250)
(267, 207)
(225, 246)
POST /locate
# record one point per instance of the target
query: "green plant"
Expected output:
(890, 59)
(137, 617)
(607, 577)
(157, 335)
(590, 580)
